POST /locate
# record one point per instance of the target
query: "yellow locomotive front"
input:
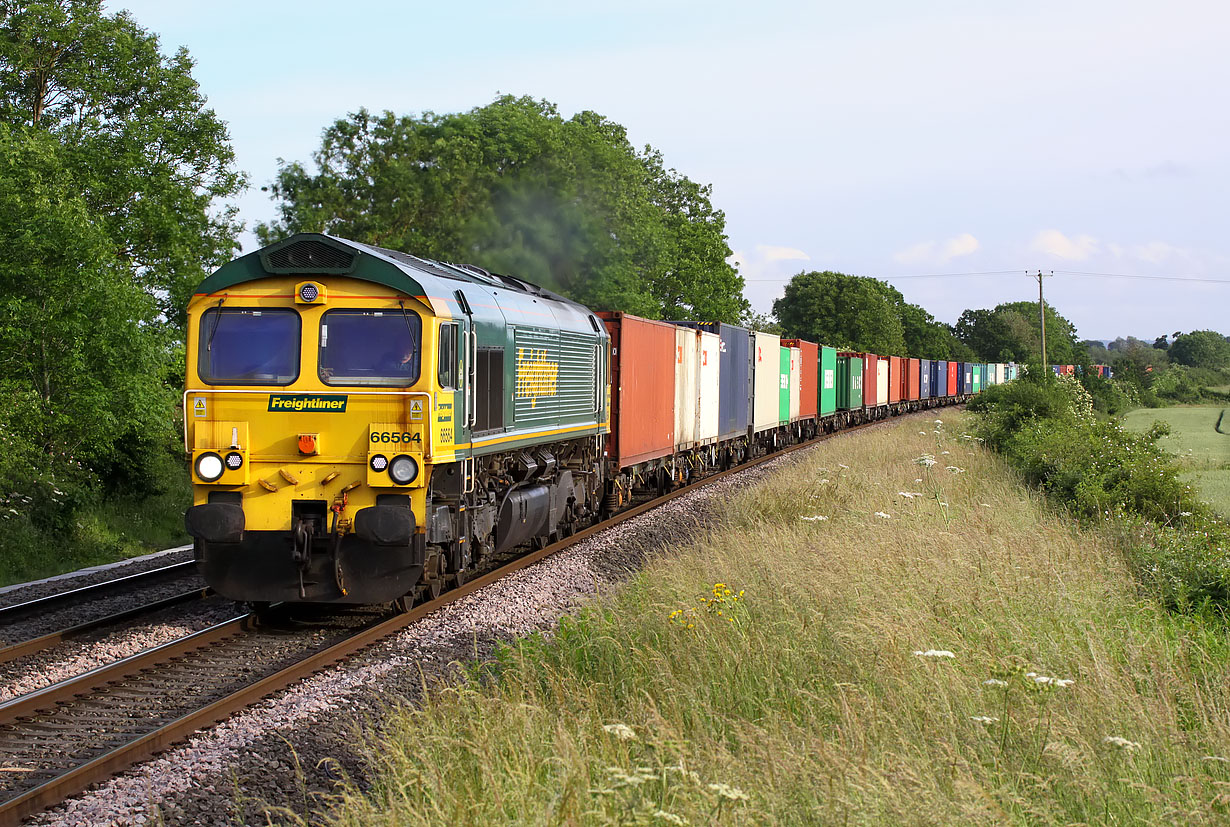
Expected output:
(314, 413)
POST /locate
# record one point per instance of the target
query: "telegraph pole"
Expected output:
(1042, 315)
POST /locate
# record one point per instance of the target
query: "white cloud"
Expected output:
(917, 254)
(963, 245)
(1155, 252)
(930, 252)
(1055, 243)
(768, 253)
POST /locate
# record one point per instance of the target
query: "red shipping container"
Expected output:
(894, 378)
(953, 368)
(809, 387)
(911, 379)
(869, 380)
(643, 386)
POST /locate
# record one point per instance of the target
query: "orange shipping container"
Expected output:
(809, 393)
(894, 378)
(911, 378)
(642, 387)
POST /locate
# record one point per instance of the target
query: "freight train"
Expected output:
(367, 426)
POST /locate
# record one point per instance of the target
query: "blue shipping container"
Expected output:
(734, 377)
(939, 378)
(965, 378)
(924, 378)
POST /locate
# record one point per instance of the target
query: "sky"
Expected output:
(902, 140)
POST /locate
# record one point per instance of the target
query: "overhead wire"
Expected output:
(1081, 273)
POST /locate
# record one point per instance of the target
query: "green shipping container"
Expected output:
(849, 382)
(978, 376)
(828, 380)
(784, 384)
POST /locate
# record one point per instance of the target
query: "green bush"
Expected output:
(1045, 427)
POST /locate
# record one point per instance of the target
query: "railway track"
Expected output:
(40, 643)
(59, 740)
(108, 588)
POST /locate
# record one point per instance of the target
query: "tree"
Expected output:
(516, 188)
(147, 155)
(841, 311)
(1011, 333)
(1201, 349)
(77, 352)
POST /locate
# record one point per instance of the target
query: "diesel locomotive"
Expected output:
(365, 426)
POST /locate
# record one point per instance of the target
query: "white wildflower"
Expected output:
(728, 792)
(939, 422)
(814, 518)
(1046, 680)
(1185, 513)
(934, 653)
(944, 452)
(918, 480)
(983, 719)
(621, 731)
(883, 516)
(994, 682)
(922, 433)
(909, 495)
(1121, 743)
(944, 504)
(954, 469)
(847, 467)
(822, 482)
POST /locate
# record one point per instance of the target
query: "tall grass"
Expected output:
(858, 669)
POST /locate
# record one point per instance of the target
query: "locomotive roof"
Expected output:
(318, 254)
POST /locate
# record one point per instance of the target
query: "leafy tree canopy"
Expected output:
(843, 311)
(149, 159)
(80, 370)
(516, 188)
(1201, 349)
(1011, 333)
(863, 314)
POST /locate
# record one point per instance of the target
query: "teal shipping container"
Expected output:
(828, 380)
(783, 381)
(849, 381)
(978, 371)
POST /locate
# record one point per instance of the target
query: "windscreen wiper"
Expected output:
(209, 343)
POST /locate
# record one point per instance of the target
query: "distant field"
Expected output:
(1196, 442)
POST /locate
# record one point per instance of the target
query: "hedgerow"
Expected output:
(1045, 427)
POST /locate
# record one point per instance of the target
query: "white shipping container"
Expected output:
(687, 363)
(709, 386)
(766, 385)
(882, 380)
(796, 381)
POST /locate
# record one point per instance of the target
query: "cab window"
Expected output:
(248, 346)
(370, 347)
(448, 356)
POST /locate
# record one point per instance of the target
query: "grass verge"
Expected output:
(1195, 442)
(905, 659)
(113, 529)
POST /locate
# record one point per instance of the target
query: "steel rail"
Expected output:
(38, 644)
(53, 601)
(71, 782)
(70, 688)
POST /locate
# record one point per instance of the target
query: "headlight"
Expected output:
(309, 292)
(234, 461)
(379, 462)
(209, 466)
(403, 469)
